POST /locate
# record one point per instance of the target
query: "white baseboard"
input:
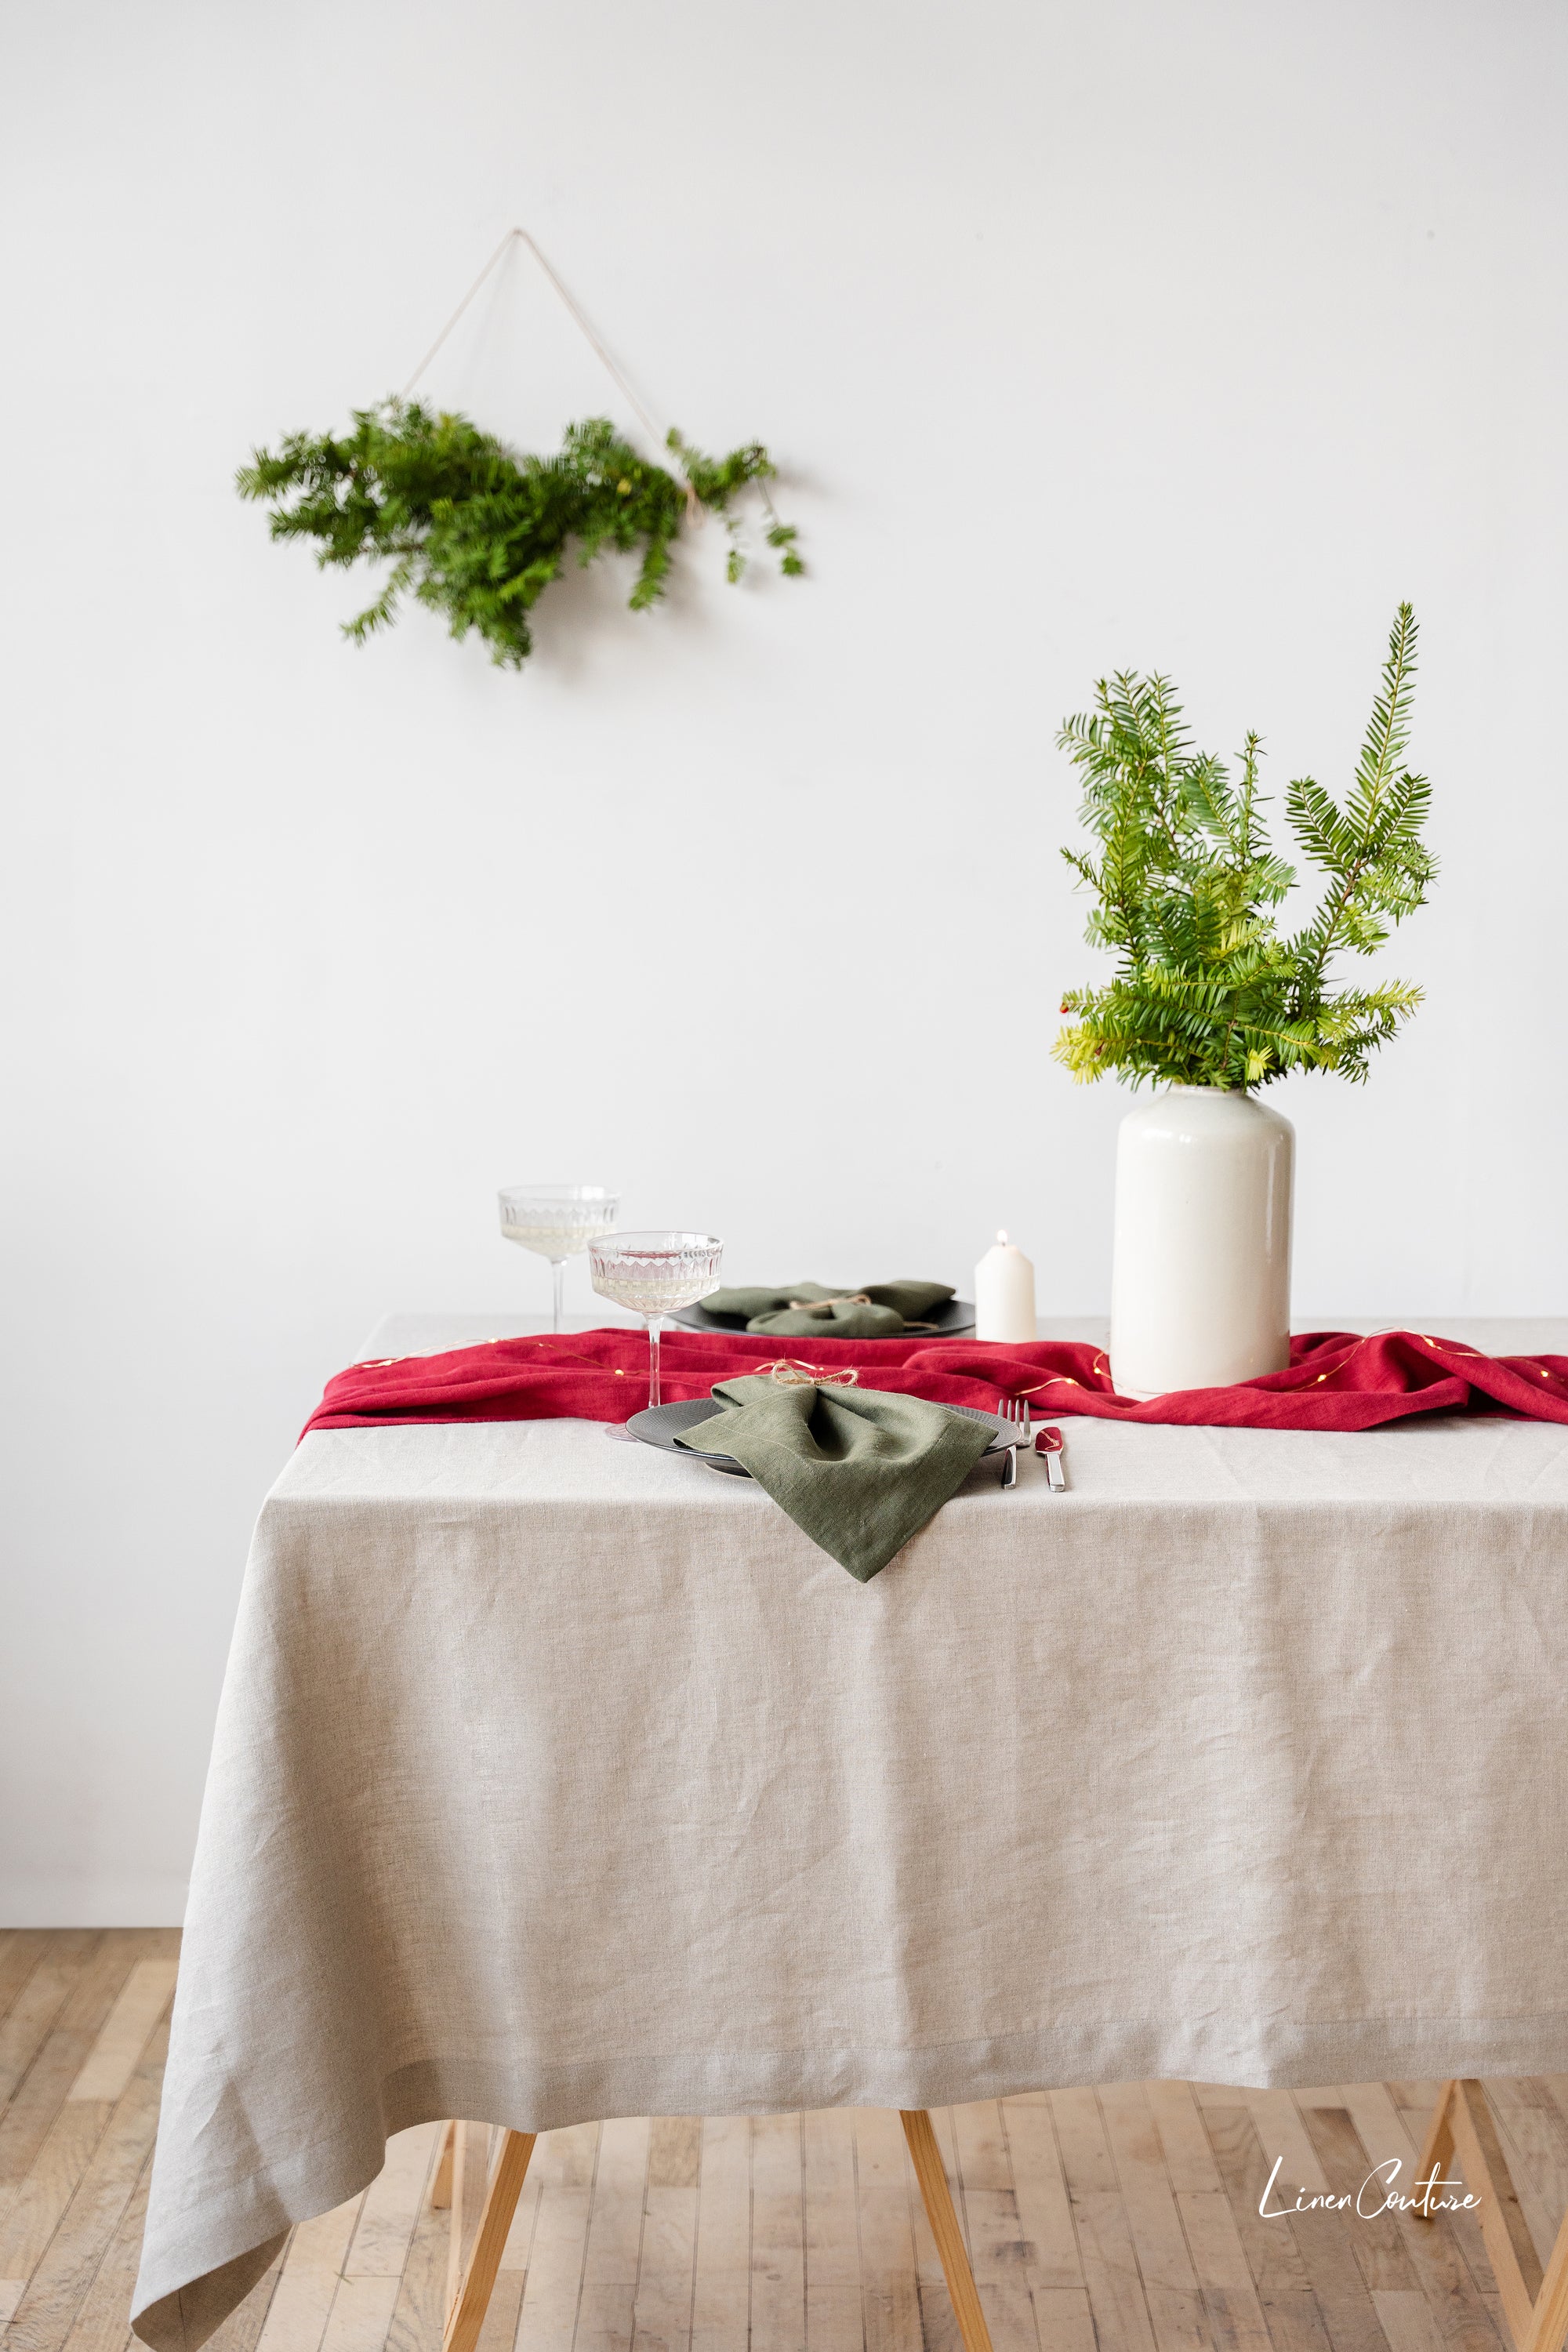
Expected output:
(104, 1899)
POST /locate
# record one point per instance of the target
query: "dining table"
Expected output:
(557, 1779)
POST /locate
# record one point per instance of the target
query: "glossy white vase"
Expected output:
(1200, 1288)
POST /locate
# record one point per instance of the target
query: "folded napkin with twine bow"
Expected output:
(859, 1470)
(803, 1310)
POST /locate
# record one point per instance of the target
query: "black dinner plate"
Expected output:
(955, 1314)
(657, 1424)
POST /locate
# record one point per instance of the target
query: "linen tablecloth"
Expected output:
(557, 1779)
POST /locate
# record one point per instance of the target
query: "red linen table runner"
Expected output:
(1336, 1379)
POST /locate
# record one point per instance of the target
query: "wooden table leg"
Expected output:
(458, 2198)
(441, 2192)
(1535, 2306)
(472, 2301)
(1550, 2326)
(1439, 2144)
(931, 2174)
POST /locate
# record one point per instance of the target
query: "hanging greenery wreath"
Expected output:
(478, 532)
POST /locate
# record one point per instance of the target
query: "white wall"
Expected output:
(1088, 335)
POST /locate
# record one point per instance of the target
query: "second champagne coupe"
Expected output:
(654, 1274)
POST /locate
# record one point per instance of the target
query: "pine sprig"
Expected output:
(477, 532)
(1206, 991)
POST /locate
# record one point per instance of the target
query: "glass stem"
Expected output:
(558, 1268)
(652, 1395)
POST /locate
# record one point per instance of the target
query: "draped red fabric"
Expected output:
(1335, 1380)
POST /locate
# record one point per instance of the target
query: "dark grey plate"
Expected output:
(657, 1424)
(947, 1322)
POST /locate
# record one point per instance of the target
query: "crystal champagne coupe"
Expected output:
(557, 1221)
(654, 1274)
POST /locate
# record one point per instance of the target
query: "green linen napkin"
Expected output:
(859, 1470)
(878, 1311)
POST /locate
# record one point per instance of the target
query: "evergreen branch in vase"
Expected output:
(1207, 989)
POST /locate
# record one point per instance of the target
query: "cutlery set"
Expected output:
(1047, 1443)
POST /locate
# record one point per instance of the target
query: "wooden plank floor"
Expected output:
(1122, 2219)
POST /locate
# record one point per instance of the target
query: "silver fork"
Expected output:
(1015, 1411)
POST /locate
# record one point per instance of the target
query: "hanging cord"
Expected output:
(693, 504)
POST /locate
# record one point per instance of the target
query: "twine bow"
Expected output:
(792, 1372)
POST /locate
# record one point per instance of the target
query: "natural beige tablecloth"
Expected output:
(556, 1779)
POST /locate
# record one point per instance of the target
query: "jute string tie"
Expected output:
(660, 441)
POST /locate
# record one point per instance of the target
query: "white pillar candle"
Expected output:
(1004, 1292)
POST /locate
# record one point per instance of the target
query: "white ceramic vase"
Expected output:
(1200, 1288)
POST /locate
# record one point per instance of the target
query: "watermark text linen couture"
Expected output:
(1380, 2179)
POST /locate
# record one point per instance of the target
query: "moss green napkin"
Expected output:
(880, 1311)
(861, 1470)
